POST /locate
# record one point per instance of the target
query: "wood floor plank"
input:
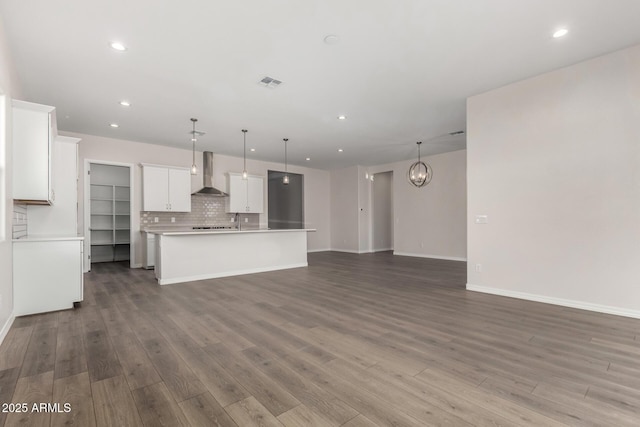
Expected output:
(157, 407)
(274, 397)
(249, 412)
(302, 416)
(41, 352)
(114, 404)
(102, 361)
(360, 421)
(74, 390)
(14, 347)
(70, 358)
(204, 410)
(32, 390)
(8, 381)
(136, 365)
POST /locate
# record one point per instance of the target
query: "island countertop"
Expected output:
(190, 232)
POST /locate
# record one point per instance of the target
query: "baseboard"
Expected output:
(556, 301)
(349, 251)
(5, 328)
(310, 251)
(229, 273)
(447, 258)
(136, 265)
(381, 250)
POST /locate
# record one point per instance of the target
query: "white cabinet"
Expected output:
(47, 274)
(34, 129)
(166, 189)
(245, 195)
(148, 250)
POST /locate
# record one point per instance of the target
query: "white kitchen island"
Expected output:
(185, 256)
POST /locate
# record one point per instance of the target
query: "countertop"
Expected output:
(188, 232)
(48, 238)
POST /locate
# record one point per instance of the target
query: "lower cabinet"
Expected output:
(47, 275)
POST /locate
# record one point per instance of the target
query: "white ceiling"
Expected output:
(400, 73)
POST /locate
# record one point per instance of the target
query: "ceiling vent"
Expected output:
(269, 82)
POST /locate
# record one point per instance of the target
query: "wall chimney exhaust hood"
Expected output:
(207, 177)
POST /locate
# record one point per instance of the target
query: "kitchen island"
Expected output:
(185, 256)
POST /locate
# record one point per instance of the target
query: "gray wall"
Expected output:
(382, 211)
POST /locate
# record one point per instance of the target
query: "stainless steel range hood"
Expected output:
(207, 177)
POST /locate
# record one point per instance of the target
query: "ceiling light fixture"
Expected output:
(125, 103)
(114, 125)
(245, 175)
(194, 137)
(560, 33)
(285, 178)
(253, 149)
(118, 46)
(420, 173)
(331, 39)
(342, 117)
(308, 159)
(340, 150)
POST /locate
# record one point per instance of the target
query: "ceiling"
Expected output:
(400, 72)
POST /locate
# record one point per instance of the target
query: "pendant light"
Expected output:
(245, 175)
(420, 173)
(285, 178)
(194, 138)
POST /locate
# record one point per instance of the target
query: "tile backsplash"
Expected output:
(19, 221)
(205, 211)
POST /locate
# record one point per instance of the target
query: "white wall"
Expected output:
(430, 221)
(554, 161)
(9, 88)
(122, 151)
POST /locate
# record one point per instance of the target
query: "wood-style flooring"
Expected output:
(352, 340)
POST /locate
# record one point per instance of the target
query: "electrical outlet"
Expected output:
(246, 220)
(482, 219)
(421, 245)
(233, 219)
(156, 219)
(478, 268)
(173, 219)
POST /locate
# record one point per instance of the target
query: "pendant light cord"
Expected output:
(285, 154)
(244, 131)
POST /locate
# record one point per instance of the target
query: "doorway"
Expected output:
(108, 212)
(382, 211)
(285, 202)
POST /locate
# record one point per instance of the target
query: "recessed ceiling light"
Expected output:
(118, 46)
(342, 117)
(340, 150)
(560, 33)
(308, 158)
(253, 149)
(114, 125)
(125, 103)
(331, 39)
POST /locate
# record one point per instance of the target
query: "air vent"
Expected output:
(269, 82)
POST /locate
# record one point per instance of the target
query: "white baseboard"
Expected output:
(5, 328)
(557, 301)
(381, 250)
(136, 265)
(229, 273)
(310, 251)
(447, 258)
(349, 251)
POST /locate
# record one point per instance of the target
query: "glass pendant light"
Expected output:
(194, 134)
(420, 173)
(245, 175)
(285, 178)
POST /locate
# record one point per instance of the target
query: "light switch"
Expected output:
(482, 219)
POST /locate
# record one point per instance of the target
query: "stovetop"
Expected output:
(212, 227)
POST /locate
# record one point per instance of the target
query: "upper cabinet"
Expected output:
(34, 129)
(166, 189)
(245, 195)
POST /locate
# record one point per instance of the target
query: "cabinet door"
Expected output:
(255, 194)
(155, 189)
(31, 155)
(179, 190)
(237, 194)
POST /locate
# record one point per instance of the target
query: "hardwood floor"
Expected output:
(352, 340)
